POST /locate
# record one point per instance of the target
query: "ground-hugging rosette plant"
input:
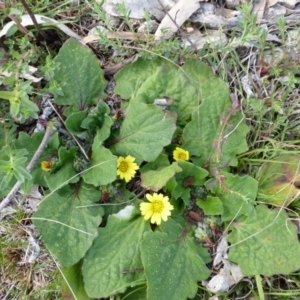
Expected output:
(121, 208)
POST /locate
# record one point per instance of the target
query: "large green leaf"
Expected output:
(211, 205)
(156, 180)
(103, 166)
(159, 78)
(173, 264)
(265, 243)
(144, 132)
(171, 81)
(68, 223)
(217, 132)
(113, 263)
(138, 72)
(79, 75)
(238, 195)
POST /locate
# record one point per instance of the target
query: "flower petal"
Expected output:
(148, 215)
(149, 197)
(156, 218)
(144, 207)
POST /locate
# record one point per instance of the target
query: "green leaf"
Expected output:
(19, 160)
(191, 170)
(217, 132)
(159, 78)
(237, 194)
(161, 161)
(73, 277)
(113, 263)
(190, 173)
(265, 243)
(33, 141)
(211, 205)
(182, 85)
(103, 166)
(79, 75)
(21, 173)
(97, 117)
(104, 132)
(74, 120)
(279, 180)
(140, 130)
(29, 105)
(7, 133)
(6, 183)
(68, 222)
(12, 30)
(179, 191)
(15, 108)
(135, 293)
(63, 171)
(173, 265)
(7, 95)
(138, 72)
(156, 180)
(5, 166)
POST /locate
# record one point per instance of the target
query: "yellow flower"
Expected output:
(47, 165)
(126, 167)
(181, 154)
(158, 208)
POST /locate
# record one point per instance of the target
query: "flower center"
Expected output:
(123, 167)
(157, 206)
(182, 156)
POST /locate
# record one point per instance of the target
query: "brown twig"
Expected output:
(36, 25)
(20, 26)
(114, 69)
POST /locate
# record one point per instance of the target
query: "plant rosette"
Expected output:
(180, 158)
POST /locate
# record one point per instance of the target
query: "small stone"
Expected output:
(148, 27)
(213, 38)
(289, 3)
(137, 7)
(210, 21)
(95, 30)
(274, 11)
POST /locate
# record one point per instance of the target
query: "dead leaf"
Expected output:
(279, 180)
(27, 21)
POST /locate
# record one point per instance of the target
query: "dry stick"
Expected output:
(73, 136)
(36, 25)
(30, 166)
(180, 30)
(20, 26)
